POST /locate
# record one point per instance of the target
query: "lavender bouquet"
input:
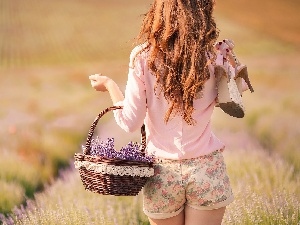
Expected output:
(107, 149)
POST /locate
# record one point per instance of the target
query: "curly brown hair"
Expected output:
(180, 35)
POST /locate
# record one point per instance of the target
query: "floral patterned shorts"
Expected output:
(201, 183)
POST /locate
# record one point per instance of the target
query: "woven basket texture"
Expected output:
(109, 184)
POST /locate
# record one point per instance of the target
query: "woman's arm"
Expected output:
(132, 115)
(103, 84)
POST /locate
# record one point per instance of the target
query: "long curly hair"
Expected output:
(180, 36)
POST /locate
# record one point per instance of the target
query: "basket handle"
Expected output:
(87, 149)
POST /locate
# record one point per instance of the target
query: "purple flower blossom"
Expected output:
(107, 149)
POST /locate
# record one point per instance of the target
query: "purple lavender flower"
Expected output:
(107, 149)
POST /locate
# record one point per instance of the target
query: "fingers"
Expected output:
(225, 44)
(98, 82)
(94, 77)
(230, 43)
(94, 80)
(225, 47)
(221, 45)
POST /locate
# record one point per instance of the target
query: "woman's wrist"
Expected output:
(114, 91)
(109, 83)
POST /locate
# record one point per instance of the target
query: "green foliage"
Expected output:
(265, 193)
(47, 104)
(14, 169)
(66, 202)
(11, 195)
(277, 130)
(251, 208)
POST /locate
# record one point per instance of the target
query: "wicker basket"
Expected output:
(112, 176)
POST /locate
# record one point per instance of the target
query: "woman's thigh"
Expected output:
(176, 220)
(203, 217)
(191, 216)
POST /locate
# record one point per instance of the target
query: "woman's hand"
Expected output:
(99, 82)
(225, 48)
(104, 83)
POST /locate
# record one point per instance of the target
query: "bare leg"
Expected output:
(176, 220)
(203, 217)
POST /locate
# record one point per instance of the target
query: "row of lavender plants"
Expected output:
(265, 193)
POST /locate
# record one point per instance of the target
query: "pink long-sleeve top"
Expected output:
(175, 139)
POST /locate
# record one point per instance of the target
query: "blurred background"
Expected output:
(49, 48)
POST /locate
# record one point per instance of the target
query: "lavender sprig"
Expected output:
(107, 149)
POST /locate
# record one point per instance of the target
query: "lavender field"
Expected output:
(49, 48)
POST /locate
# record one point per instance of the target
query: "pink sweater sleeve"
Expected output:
(132, 116)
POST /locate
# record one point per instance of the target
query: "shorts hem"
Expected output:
(163, 215)
(214, 206)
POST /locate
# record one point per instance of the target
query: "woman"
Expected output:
(171, 88)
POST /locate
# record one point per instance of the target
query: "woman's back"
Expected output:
(174, 139)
